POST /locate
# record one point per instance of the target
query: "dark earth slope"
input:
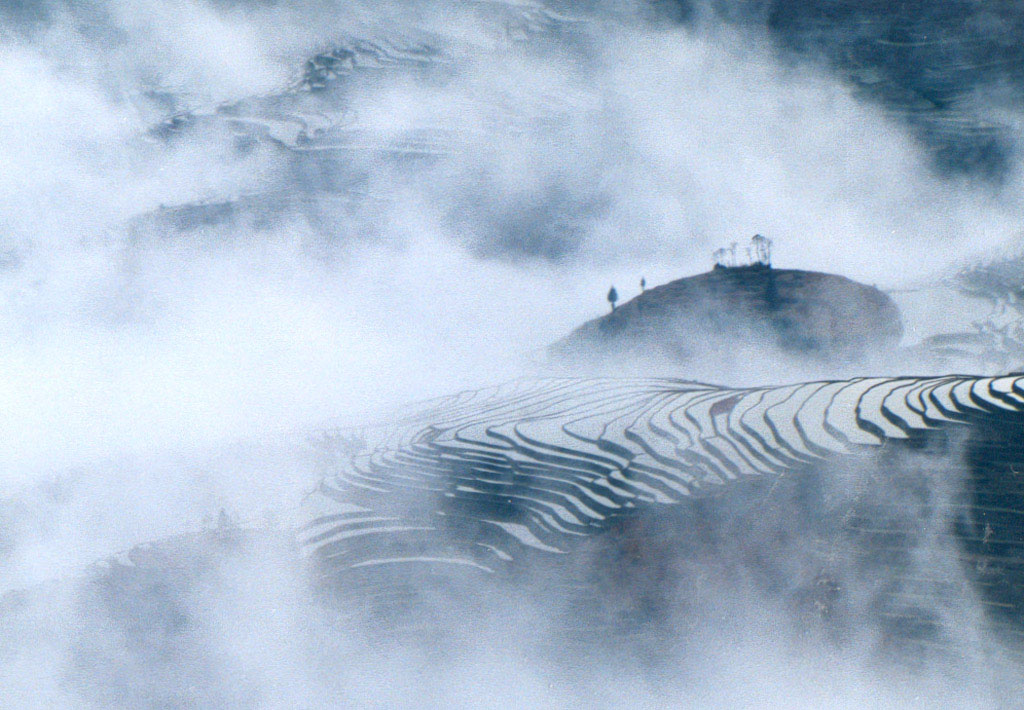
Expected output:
(741, 312)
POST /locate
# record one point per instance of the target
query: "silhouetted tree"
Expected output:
(643, 284)
(761, 246)
(613, 296)
(226, 526)
(223, 520)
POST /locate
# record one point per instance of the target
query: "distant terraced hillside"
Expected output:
(938, 67)
(948, 72)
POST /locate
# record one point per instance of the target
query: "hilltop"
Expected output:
(732, 314)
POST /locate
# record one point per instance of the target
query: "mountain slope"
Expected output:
(742, 312)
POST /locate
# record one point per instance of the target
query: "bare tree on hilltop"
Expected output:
(759, 253)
